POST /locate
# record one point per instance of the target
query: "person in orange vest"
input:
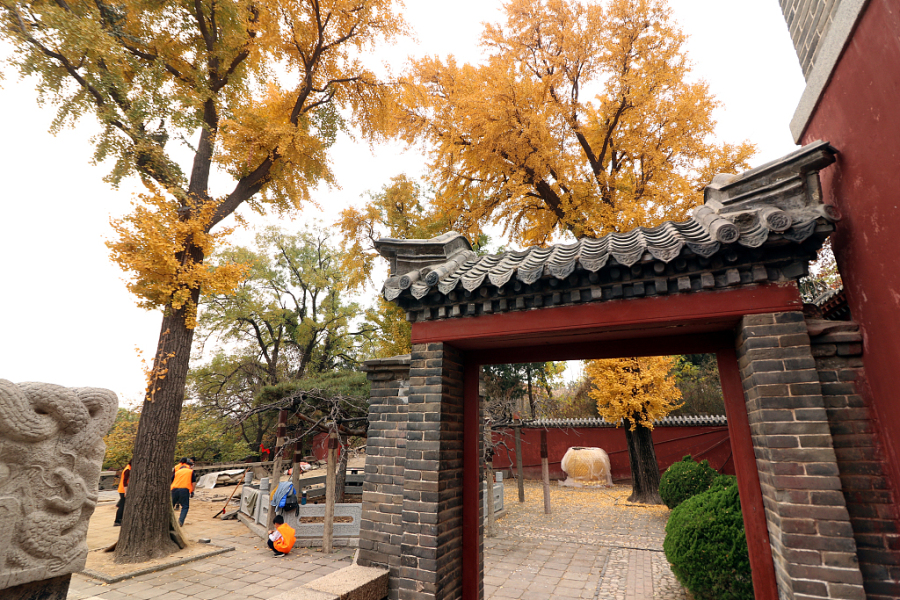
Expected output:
(123, 490)
(282, 538)
(183, 487)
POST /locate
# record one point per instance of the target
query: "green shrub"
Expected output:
(685, 479)
(723, 482)
(706, 545)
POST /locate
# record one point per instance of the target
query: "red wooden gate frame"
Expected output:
(679, 324)
(752, 508)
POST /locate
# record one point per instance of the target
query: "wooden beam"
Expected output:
(615, 319)
(471, 538)
(698, 343)
(765, 586)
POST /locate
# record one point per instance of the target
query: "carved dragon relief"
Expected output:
(51, 454)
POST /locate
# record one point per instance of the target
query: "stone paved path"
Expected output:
(250, 571)
(593, 546)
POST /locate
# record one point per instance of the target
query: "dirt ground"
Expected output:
(199, 524)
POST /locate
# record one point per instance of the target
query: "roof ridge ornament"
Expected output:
(410, 255)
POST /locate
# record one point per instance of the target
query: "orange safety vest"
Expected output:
(122, 487)
(183, 478)
(287, 540)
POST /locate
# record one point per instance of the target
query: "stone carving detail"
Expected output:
(51, 453)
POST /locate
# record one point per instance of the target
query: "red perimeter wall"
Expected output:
(859, 114)
(671, 443)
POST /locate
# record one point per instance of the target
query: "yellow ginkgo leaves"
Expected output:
(583, 119)
(635, 391)
(163, 253)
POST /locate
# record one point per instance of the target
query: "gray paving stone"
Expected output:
(563, 555)
(209, 594)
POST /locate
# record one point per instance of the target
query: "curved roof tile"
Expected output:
(763, 207)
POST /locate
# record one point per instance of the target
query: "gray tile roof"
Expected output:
(669, 421)
(761, 225)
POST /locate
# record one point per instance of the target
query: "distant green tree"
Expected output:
(120, 439)
(573, 401)
(205, 437)
(524, 388)
(697, 376)
(823, 275)
(322, 403)
(289, 319)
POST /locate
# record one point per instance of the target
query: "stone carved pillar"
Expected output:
(809, 527)
(51, 453)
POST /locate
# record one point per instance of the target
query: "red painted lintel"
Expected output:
(648, 345)
(597, 318)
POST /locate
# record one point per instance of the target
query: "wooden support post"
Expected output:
(489, 484)
(520, 478)
(545, 471)
(296, 471)
(762, 568)
(328, 539)
(276, 468)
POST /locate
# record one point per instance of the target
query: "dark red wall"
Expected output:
(859, 114)
(671, 443)
(320, 447)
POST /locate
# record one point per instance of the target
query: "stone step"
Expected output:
(350, 583)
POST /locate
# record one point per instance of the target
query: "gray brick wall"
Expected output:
(412, 495)
(808, 21)
(809, 527)
(432, 490)
(381, 526)
(871, 503)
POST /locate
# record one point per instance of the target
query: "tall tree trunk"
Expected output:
(644, 467)
(145, 523)
(530, 393)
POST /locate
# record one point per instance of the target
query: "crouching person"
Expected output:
(281, 539)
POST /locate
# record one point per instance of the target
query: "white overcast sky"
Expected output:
(68, 318)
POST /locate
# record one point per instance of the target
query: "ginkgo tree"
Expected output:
(582, 120)
(252, 91)
(399, 210)
(633, 393)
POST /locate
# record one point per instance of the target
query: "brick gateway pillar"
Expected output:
(431, 549)
(413, 507)
(381, 528)
(810, 533)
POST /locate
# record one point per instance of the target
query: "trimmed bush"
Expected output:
(685, 479)
(706, 544)
(723, 482)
